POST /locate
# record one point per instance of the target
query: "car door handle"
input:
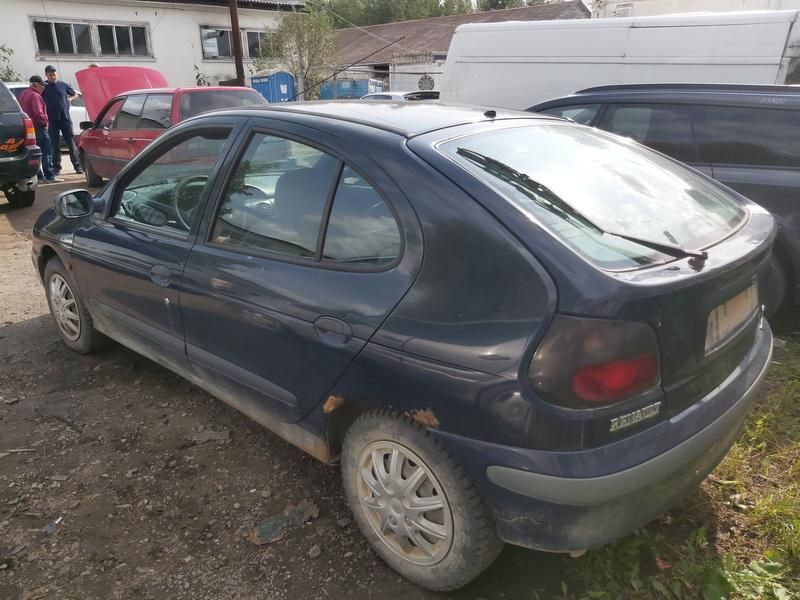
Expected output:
(333, 332)
(131, 140)
(161, 275)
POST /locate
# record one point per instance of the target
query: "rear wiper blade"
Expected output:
(550, 200)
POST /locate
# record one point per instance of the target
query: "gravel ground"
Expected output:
(103, 493)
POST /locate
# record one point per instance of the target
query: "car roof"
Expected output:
(407, 119)
(694, 93)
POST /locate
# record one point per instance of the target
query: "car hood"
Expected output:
(99, 84)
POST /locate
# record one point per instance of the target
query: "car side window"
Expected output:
(167, 192)
(361, 228)
(667, 129)
(156, 112)
(580, 113)
(748, 136)
(111, 113)
(276, 198)
(128, 117)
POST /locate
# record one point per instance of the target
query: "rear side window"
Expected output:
(156, 112)
(7, 102)
(276, 203)
(129, 115)
(748, 136)
(276, 198)
(667, 129)
(194, 103)
(545, 169)
(582, 113)
(361, 228)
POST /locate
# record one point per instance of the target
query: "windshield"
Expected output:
(618, 185)
(7, 103)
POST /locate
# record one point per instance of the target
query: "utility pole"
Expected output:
(237, 42)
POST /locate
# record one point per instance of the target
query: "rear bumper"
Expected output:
(555, 513)
(21, 166)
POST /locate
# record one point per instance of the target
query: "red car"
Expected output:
(125, 122)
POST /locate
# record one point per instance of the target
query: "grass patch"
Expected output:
(738, 537)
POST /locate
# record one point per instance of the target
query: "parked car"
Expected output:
(746, 136)
(19, 155)
(130, 121)
(77, 108)
(450, 301)
(403, 96)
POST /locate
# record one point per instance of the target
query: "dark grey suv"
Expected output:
(746, 136)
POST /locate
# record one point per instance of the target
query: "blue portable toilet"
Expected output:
(275, 87)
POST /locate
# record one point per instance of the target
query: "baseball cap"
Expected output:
(49, 68)
(36, 79)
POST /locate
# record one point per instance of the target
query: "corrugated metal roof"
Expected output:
(434, 35)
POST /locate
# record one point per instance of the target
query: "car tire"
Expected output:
(73, 321)
(459, 539)
(92, 178)
(776, 287)
(18, 198)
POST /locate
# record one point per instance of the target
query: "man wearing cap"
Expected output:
(57, 97)
(32, 103)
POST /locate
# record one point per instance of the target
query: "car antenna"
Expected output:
(490, 114)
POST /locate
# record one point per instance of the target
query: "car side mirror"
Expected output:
(74, 204)
(84, 125)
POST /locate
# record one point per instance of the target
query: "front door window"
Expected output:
(167, 192)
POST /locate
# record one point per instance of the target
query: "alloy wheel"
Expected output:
(65, 307)
(404, 502)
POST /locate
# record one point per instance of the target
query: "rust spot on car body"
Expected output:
(425, 417)
(332, 403)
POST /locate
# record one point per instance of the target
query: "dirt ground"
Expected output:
(103, 494)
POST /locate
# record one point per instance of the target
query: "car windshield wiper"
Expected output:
(548, 199)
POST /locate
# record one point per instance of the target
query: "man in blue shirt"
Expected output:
(57, 96)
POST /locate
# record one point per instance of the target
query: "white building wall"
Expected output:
(174, 33)
(405, 77)
(641, 8)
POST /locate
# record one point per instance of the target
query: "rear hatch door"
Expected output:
(567, 187)
(12, 130)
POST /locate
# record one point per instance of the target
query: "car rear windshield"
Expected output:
(568, 178)
(194, 103)
(7, 102)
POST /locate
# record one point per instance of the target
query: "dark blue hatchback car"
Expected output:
(507, 327)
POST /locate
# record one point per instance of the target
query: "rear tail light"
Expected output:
(30, 132)
(584, 362)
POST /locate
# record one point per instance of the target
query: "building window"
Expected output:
(254, 41)
(61, 38)
(623, 10)
(123, 40)
(216, 42)
(54, 37)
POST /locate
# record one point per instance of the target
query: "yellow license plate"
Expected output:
(727, 318)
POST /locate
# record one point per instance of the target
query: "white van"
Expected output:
(517, 64)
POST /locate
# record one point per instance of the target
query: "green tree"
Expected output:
(7, 72)
(374, 12)
(305, 45)
(501, 4)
